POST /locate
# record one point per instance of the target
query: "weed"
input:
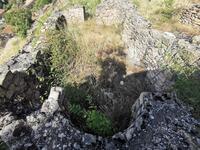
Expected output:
(99, 123)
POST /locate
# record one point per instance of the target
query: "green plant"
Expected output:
(99, 123)
(85, 114)
(40, 3)
(187, 85)
(20, 19)
(77, 110)
(63, 50)
(188, 90)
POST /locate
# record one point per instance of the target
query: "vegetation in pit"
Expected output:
(84, 112)
(20, 19)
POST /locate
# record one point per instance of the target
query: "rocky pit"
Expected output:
(158, 119)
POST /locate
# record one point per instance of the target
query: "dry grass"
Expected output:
(11, 49)
(173, 25)
(152, 10)
(95, 42)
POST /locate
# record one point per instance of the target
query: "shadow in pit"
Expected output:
(116, 92)
(113, 93)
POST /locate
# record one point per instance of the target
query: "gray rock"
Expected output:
(51, 105)
(74, 14)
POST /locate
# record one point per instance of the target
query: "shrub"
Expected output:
(188, 90)
(63, 50)
(20, 19)
(99, 123)
(40, 3)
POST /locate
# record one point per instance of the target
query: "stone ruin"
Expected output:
(75, 14)
(146, 47)
(191, 16)
(159, 121)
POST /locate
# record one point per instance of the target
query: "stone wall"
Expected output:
(145, 47)
(191, 16)
(116, 12)
(19, 78)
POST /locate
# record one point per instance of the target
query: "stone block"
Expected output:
(75, 14)
(108, 17)
(51, 105)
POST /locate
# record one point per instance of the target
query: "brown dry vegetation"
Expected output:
(11, 49)
(96, 43)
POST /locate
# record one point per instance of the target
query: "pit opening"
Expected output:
(89, 61)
